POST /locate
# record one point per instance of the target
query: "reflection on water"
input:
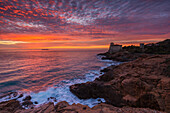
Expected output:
(46, 74)
(38, 70)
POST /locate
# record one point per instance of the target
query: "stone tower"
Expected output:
(114, 48)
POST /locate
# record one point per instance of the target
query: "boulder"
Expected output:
(27, 103)
(97, 89)
(59, 106)
(27, 98)
(10, 106)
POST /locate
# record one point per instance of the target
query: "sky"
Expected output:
(56, 24)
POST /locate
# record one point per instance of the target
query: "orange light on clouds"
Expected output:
(78, 47)
(33, 38)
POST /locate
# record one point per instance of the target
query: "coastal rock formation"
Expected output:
(122, 56)
(130, 53)
(10, 106)
(141, 83)
(63, 107)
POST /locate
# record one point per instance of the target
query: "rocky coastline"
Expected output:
(142, 81)
(13, 106)
(140, 84)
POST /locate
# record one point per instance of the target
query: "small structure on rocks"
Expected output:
(142, 45)
(114, 48)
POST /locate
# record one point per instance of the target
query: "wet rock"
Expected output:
(99, 100)
(106, 77)
(9, 95)
(27, 103)
(35, 102)
(10, 106)
(21, 95)
(52, 98)
(86, 90)
(97, 90)
(15, 94)
(27, 98)
(105, 70)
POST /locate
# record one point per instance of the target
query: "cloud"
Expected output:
(79, 19)
(11, 42)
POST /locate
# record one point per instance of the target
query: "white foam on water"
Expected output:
(62, 92)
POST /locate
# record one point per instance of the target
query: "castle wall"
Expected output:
(114, 49)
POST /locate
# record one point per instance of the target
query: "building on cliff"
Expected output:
(114, 48)
(142, 45)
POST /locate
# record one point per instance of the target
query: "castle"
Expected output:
(114, 48)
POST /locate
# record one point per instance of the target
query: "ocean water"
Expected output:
(45, 74)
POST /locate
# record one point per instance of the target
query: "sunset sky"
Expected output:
(38, 24)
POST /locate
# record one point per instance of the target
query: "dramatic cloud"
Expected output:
(86, 20)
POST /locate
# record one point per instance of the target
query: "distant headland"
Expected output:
(44, 49)
(128, 53)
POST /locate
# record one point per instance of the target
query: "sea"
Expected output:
(46, 75)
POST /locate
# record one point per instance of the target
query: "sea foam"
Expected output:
(61, 91)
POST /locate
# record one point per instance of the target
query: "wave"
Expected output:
(61, 91)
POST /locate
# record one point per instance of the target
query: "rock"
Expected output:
(105, 108)
(97, 90)
(122, 56)
(10, 106)
(151, 79)
(134, 86)
(52, 98)
(13, 106)
(27, 103)
(10, 95)
(45, 108)
(50, 108)
(27, 98)
(99, 100)
(76, 108)
(61, 105)
(35, 102)
(105, 70)
(148, 101)
(139, 83)
(167, 102)
(106, 77)
(15, 94)
(21, 95)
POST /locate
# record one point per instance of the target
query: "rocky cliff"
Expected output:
(142, 83)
